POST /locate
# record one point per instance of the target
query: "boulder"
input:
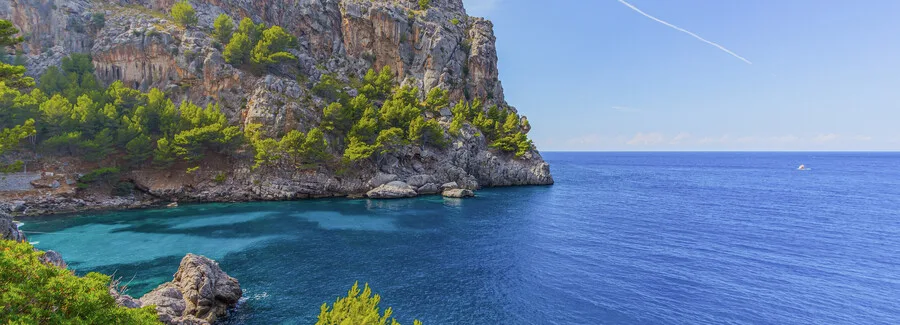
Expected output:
(200, 293)
(53, 258)
(381, 179)
(419, 180)
(392, 190)
(449, 186)
(429, 188)
(458, 193)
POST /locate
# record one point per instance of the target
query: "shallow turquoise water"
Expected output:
(649, 238)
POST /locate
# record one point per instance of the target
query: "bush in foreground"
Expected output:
(32, 292)
(357, 308)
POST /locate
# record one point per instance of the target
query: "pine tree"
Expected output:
(223, 28)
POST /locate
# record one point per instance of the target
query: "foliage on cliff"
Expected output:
(253, 43)
(358, 308)
(32, 292)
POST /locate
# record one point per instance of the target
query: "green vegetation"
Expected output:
(272, 46)
(357, 308)
(32, 292)
(454, 21)
(424, 4)
(223, 28)
(238, 49)
(184, 14)
(258, 45)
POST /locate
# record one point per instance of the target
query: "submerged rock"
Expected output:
(200, 293)
(392, 190)
(458, 193)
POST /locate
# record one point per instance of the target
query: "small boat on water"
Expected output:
(172, 205)
(802, 167)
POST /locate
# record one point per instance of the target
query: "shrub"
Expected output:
(357, 308)
(184, 14)
(220, 178)
(424, 4)
(32, 292)
(454, 21)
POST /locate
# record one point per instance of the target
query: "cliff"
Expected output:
(135, 41)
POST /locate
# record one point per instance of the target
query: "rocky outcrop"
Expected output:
(137, 44)
(458, 193)
(392, 190)
(200, 293)
(8, 228)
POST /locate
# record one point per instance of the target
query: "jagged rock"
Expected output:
(458, 193)
(392, 190)
(8, 229)
(200, 293)
(429, 188)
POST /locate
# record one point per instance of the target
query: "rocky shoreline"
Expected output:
(199, 293)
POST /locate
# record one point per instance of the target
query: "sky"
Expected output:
(706, 75)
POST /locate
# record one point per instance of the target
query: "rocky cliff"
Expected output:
(136, 42)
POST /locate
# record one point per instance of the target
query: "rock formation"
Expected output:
(135, 41)
(8, 229)
(199, 294)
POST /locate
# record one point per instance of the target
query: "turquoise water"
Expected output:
(648, 238)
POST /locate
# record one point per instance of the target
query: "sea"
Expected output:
(621, 238)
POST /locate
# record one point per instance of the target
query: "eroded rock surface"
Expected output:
(200, 293)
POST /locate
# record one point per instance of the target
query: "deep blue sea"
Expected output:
(622, 238)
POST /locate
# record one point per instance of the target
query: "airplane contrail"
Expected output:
(684, 31)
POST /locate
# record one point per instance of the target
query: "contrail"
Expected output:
(684, 31)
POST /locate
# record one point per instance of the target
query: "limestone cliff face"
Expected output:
(439, 47)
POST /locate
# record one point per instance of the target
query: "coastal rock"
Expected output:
(8, 229)
(419, 180)
(429, 188)
(449, 186)
(438, 47)
(53, 258)
(200, 293)
(392, 190)
(381, 179)
(458, 193)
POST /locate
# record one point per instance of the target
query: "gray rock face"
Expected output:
(392, 190)
(8, 229)
(429, 188)
(458, 193)
(200, 293)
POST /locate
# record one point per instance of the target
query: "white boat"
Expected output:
(802, 167)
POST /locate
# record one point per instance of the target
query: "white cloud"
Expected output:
(626, 109)
(822, 138)
(648, 139)
(680, 137)
(688, 141)
(481, 8)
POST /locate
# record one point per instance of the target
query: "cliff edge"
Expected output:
(137, 43)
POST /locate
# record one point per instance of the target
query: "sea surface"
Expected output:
(622, 238)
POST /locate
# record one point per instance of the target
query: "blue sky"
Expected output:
(597, 75)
